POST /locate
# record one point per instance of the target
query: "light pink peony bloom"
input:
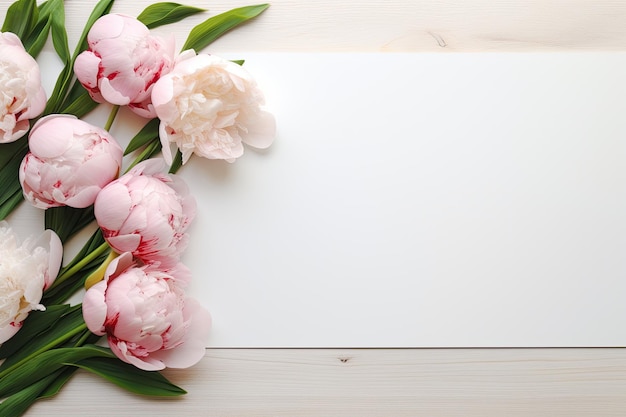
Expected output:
(146, 212)
(146, 317)
(123, 61)
(26, 270)
(209, 106)
(23, 97)
(69, 162)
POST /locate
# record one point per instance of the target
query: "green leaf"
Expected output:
(62, 376)
(11, 203)
(36, 323)
(149, 151)
(18, 403)
(64, 328)
(206, 32)
(63, 85)
(72, 276)
(12, 150)
(81, 105)
(21, 18)
(66, 221)
(130, 377)
(159, 14)
(147, 134)
(11, 156)
(46, 363)
(59, 34)
(37, 39)
(80, 102)
(177, 163)
(62, 292)
(46, 387)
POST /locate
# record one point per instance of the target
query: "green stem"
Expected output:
(112, 115)
(45, 348)
(100, 250)
(83, 338)
(147, 152)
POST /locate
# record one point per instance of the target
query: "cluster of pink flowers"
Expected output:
(206, 105)
(141, 305)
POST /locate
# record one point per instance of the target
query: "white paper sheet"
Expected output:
(430, 200)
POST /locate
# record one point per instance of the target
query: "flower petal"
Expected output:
(95, 308)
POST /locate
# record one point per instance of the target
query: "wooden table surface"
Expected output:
(389, 382)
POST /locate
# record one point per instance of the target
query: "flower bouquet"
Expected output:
(128, 276)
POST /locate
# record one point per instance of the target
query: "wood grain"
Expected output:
(373, 382)
(425, 25)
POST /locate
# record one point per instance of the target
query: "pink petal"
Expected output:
(86, 68)
(260, 132)
(9, 38)
(162, 94)
(125, 243)
(150, 166)
(112, 206)
(37, 105)
(119, 265)
(49, 137)
(167, 146)
(83, 198)
(193, 349)
(52, 244)
(108, 26)
(147, 364)
(112, 95)
(95, 308)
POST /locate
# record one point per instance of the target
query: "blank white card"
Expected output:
(421, 200)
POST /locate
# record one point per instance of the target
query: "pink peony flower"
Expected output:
(23, 97)
(146, 213)
(209, 106)
(69, 162)
(26, 270)
(123, 62)
(146, 317)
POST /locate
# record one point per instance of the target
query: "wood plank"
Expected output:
(368, 382)
(400, 25)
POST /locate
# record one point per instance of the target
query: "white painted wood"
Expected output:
(371, 382)
(406, 25)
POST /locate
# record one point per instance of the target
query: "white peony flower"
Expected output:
(209, 106)
(22, 96)
(26, 270)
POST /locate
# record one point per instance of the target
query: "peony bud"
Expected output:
(69, 162)
(123, 62)
(146, 213)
